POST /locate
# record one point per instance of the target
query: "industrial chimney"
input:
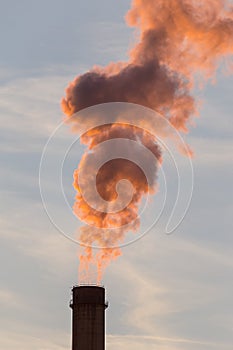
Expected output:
(88, 319)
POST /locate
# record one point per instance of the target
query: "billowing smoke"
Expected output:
(181, 43)
(107, 225)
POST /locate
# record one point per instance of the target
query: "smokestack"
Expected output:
(88, 319)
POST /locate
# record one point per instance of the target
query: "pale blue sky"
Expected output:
(165, 292)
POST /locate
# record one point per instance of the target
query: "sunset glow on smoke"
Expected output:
(181, 44)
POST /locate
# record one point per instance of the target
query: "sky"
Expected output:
(167, 292)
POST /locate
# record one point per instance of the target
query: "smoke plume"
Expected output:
(181, 43)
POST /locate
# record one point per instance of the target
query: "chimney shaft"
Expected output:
(88, 305)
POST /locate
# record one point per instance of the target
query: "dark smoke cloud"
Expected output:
(181, 42)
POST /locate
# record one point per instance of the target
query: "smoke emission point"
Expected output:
(86, 294)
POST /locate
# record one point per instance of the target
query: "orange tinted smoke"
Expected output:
(181, 43)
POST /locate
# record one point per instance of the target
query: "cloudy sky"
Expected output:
(166, 292)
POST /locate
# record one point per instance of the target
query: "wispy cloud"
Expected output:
(11, 300)
(128, 342)
(165, 295)
(31, 340)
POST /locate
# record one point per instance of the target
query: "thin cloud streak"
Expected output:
(11, 300)
(163, 339)
(31, 340)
